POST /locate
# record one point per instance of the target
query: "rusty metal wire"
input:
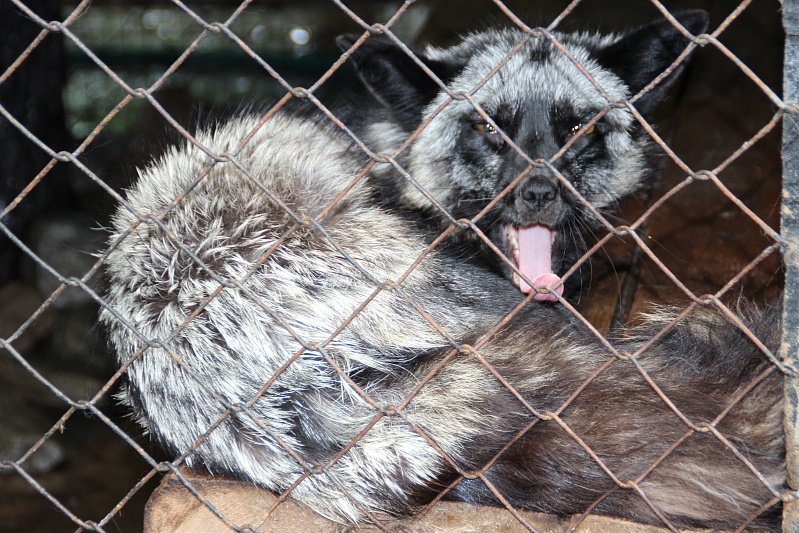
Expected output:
(316, 224)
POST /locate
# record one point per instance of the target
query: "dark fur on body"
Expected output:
(294, 287)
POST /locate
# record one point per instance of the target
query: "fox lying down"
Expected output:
(288, 319)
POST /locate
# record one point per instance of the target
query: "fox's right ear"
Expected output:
(394, 77)
(639, 56)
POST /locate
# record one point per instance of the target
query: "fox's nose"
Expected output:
(538, 193)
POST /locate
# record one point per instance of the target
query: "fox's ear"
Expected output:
(394, 77)
(641, 55)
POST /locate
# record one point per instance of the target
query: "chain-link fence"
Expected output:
(707, 198)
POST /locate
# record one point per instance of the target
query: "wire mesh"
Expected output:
(297, 223)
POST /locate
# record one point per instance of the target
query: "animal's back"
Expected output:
(245, 292)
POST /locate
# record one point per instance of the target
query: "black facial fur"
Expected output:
(536, 124)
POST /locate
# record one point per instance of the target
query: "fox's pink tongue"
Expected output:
(535, 261)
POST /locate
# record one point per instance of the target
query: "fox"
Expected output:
(287, 311)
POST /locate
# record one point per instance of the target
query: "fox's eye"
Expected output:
(584, 127)
(484, 127)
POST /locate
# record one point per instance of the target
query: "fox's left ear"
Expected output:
(641, 55)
